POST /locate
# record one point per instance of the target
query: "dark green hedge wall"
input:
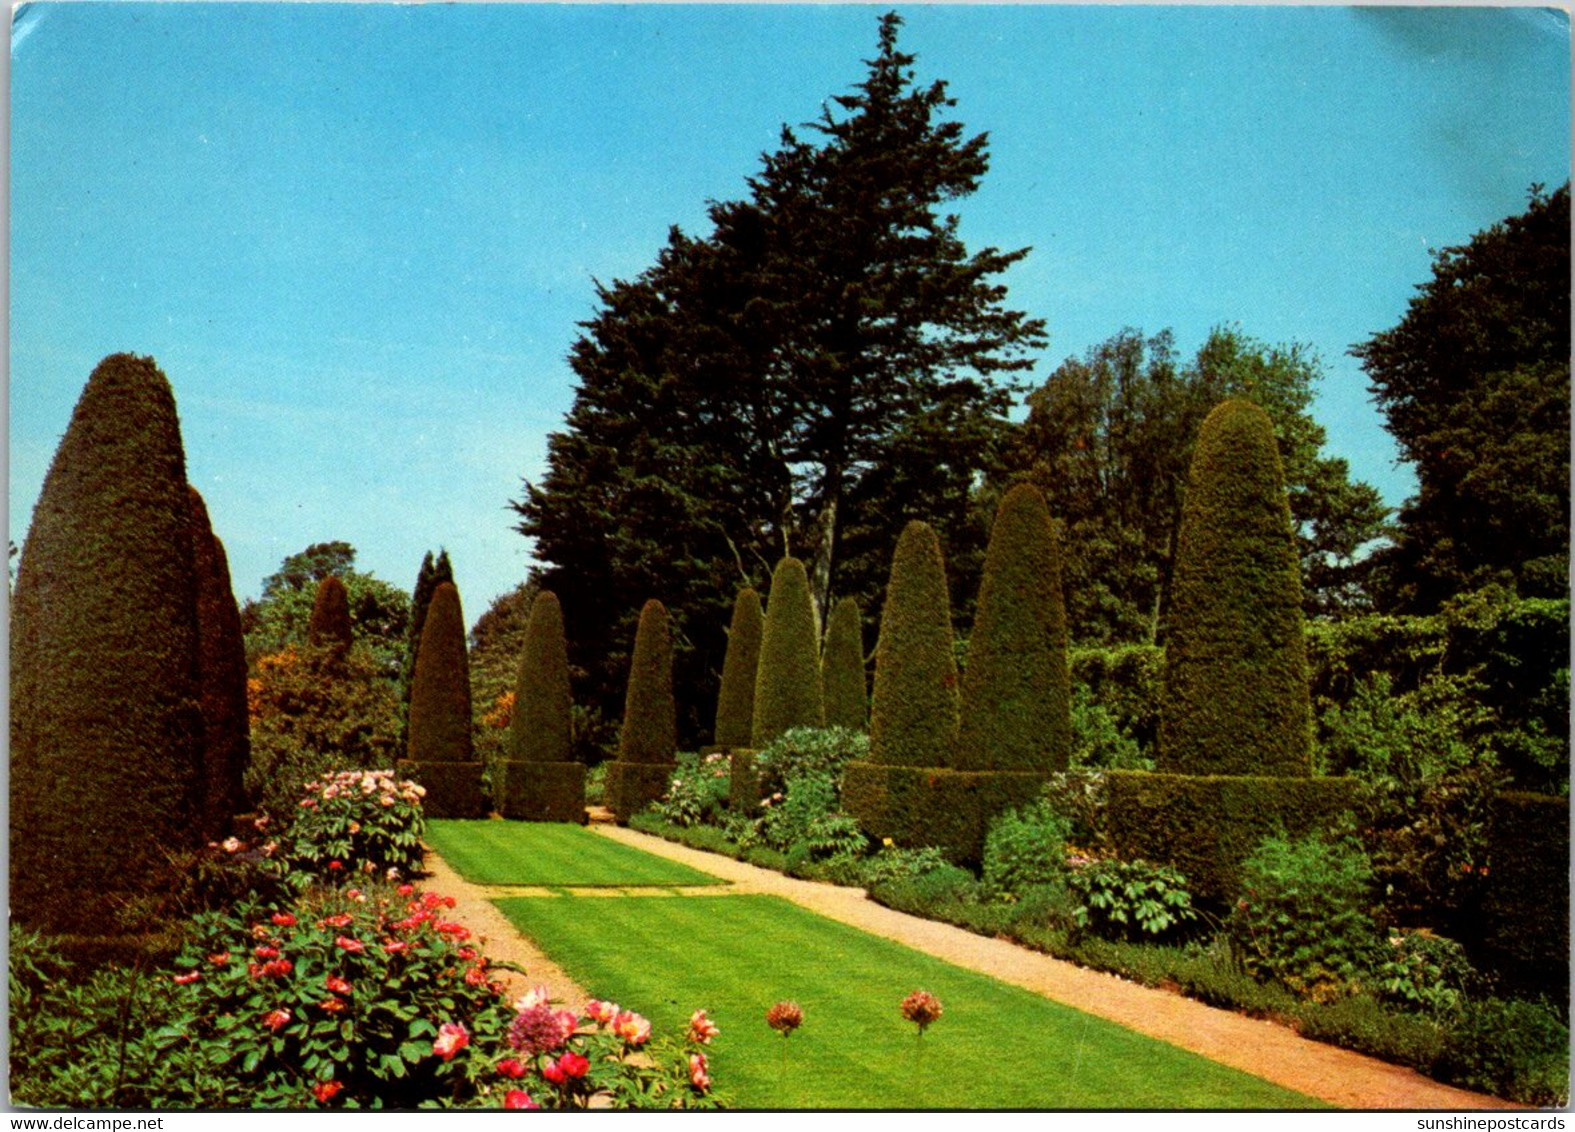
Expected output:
(1206, 825)
(1235, 693)
(1016, 692)
(539, 791)
(735, 704)
(221, 665)
(1526, 904)
(454, 789)
(949, 809)
(631, 787)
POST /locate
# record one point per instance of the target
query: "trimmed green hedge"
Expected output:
(1207, 825)
(1525, 907)
(453, 788)
(844, 687)
(735, 704)
(650, 717)
(541, 730)
(934, 806)
(221, 666)
(787, 678)
(916, 706)
(631, 787)
(1235, 697)
(538, 791)
(743, 791)
(440, 724)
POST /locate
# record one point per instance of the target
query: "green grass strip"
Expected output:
(550, 854)
(996, 1047)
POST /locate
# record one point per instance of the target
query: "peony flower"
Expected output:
(231, 845)
(326, 1091)
(284, 919)
(353, 946)
(570, 1067)
(276, 1019)
(518, 1098)
(601, 1012)
(331, 1004)
(452, 1037)
(337, 985)
(537, 996)
(632, 1028)
(785, 1017)
(277, 968)
(921, 1008)
(266, 952)
(701, 1028)
(512, 1067)
(189, 977)
(541, 1029)
(698, 1075)
(219, 958)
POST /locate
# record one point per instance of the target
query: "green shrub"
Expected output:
(1525, 904)
(697, 791)
(649, 733)
(804, 751)
(106, 724)
(596, 785)
(1098, 741)
(949, 809)
(1235, 691)
(1361, 1023)
(891, 863)
(929, 893)
(845, 691)
(1302, 916)
(541, 726)
(1016, 692)
(355, 824)
(786, 817)
(1379, 732)
(221, 665)
(1025, 847)
(787, 680)
(1130, 899)
(441, 754)
(1517, 1050)
(329, 626)
(735, 705)
(915, 710)
(1081, 796)
(1422, 971)
(1126, 681)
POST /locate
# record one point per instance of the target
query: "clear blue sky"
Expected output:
(358, 239)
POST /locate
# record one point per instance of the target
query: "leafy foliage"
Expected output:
(696, 792)
(355, 824)
(1423, 971)
(1514, 1049)
(379, 611)
(1129, 899)
(805, 751)
(1024, 848)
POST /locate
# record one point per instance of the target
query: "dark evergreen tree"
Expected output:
(915, 710)
(1235, 699)
(540, 781)
(648, 741)
(106, 721)
(845, 689)
(1016, 693)
(787, 680)
(440, 752)
(830, 358)
(221, 664)
(329, 628)
(431, 575)
(1474, 383)
(735, 704)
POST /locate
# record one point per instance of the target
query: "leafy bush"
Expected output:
(1426, 972)
(596, 784)
(1081, 796)
(1302, 917)
(926, 893)
(1380, 731)
(696, 792)
(1099, 740)
(786, 818)
(355, 824)
(890, 864)
(834, 835)
(1518, 1050)
(1025, 847)
(1127, 899)
(804, 751)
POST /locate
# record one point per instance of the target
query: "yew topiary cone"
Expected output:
(106, 723)
(735, 704)
(329, 626)
(540, 781)
(844, 688)
(1016, 697)
(440, 755)
(648, 741)
(1235, 698)
(914, 715)
(787, 682)
(221, 667)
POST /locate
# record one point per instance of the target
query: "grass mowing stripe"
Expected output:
(997, 1046)
(550, 854)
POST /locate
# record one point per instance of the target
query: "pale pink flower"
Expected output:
(276, 1019)
(701, 1028)
(536, 996)
(698, 1075)
(632, 1028)
(601, 1012)
(452, 1037)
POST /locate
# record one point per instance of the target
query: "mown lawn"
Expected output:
(550, 854)
(997, 1046)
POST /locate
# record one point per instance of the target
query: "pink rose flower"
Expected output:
(518, 1098)
(337, 984)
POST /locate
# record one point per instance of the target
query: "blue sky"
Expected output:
(359, 238)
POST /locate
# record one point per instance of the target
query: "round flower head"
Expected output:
(921, 1008)
(785, 1017)
(541, 1029)
(701, 1028)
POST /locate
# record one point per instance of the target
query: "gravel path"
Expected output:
(1264, 1049)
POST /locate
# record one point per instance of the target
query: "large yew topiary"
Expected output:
(329, 626)
(1016, 697)
(440, 753)
(540, 781)
(844, 688)
(648, 741)
(914, 713)
(106, 724)
(787, 681)
(735, 705)
(221, 670)
(1235, 697)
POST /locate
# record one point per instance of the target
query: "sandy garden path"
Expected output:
(1264, 1049)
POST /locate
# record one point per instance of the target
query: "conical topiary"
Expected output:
(915, 708)
(221, 665)
(106, 726)
(441, 756)
(1016, 697)
(1235, 698)
(844, 688)
(787, 681)
(540, 781)
(329, 626)
(735, 705)
(429, 577)
(648, 741)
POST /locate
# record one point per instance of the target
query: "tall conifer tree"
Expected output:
(787, 682)
(735, 704)
(845, 689)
